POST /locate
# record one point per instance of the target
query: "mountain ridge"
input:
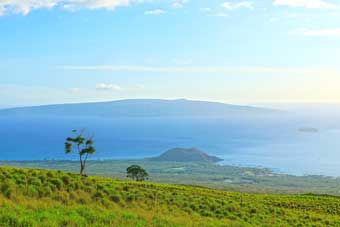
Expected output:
(141, 108)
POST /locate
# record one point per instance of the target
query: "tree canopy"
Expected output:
(137, 173)
(81, 145)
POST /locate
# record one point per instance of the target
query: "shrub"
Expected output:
(7, 188)
(57, 182)
(115, 198)
(98, 195)
(66, 180)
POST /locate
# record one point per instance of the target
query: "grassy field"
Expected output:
(231, 178)
(32, 197)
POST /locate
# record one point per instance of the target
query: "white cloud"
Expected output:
(108, 87)
(330, 32)
(179, 3)
(26, 6)
(96, 4)
(75, 90)
(232, 6)
(154, 12)
(208, 70)
(310, 4)
(206, 9)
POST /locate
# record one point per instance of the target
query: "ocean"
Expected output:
(275, 144)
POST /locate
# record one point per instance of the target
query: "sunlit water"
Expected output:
(309, 153)
(278, 145)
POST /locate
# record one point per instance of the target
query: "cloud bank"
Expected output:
(154, 12)
(24, 7)
(208, 70)
(310, 4)
(108, 87)
(232, 6)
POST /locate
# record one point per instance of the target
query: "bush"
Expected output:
(66, 180)
(57, 182)
(7, 188)
(115, 198)
(98, 195)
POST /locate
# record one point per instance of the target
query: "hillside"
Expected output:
(31, 197)
(186, 155)
(230, 178)
(140, 108)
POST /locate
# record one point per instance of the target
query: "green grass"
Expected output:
(253, 180)
(32, 197)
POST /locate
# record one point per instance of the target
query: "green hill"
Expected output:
(186, 155)
(32, 197)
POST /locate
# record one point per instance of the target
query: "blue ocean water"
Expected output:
(267, 143)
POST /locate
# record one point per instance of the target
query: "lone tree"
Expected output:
(81, 145)
(137, 173)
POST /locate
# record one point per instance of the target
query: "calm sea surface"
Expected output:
(278, 145)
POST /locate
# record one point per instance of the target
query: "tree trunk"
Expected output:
(82, 168)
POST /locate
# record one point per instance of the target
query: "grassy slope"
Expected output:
(31, 197)
(201, 174)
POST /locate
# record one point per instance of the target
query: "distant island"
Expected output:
(186, 155)
(142, 108)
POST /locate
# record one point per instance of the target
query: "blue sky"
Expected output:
(57, 51)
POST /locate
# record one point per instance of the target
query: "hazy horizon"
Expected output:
(90, 90)
(238, 52)
(278, 54)
(298, 107)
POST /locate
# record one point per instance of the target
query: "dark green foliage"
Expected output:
(115, 198)
(137, 173)
(7, 188)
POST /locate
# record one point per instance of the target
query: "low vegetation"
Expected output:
(32, 197)
(231, 178)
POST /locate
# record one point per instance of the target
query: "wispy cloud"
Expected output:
(26, 6)
(154, 12)
(96, 4)
(205, 9)
(310, 4)
(207, 70)
(75, 90)
(179, 3)
(232, 6)
(108, 87)
(330, 32)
